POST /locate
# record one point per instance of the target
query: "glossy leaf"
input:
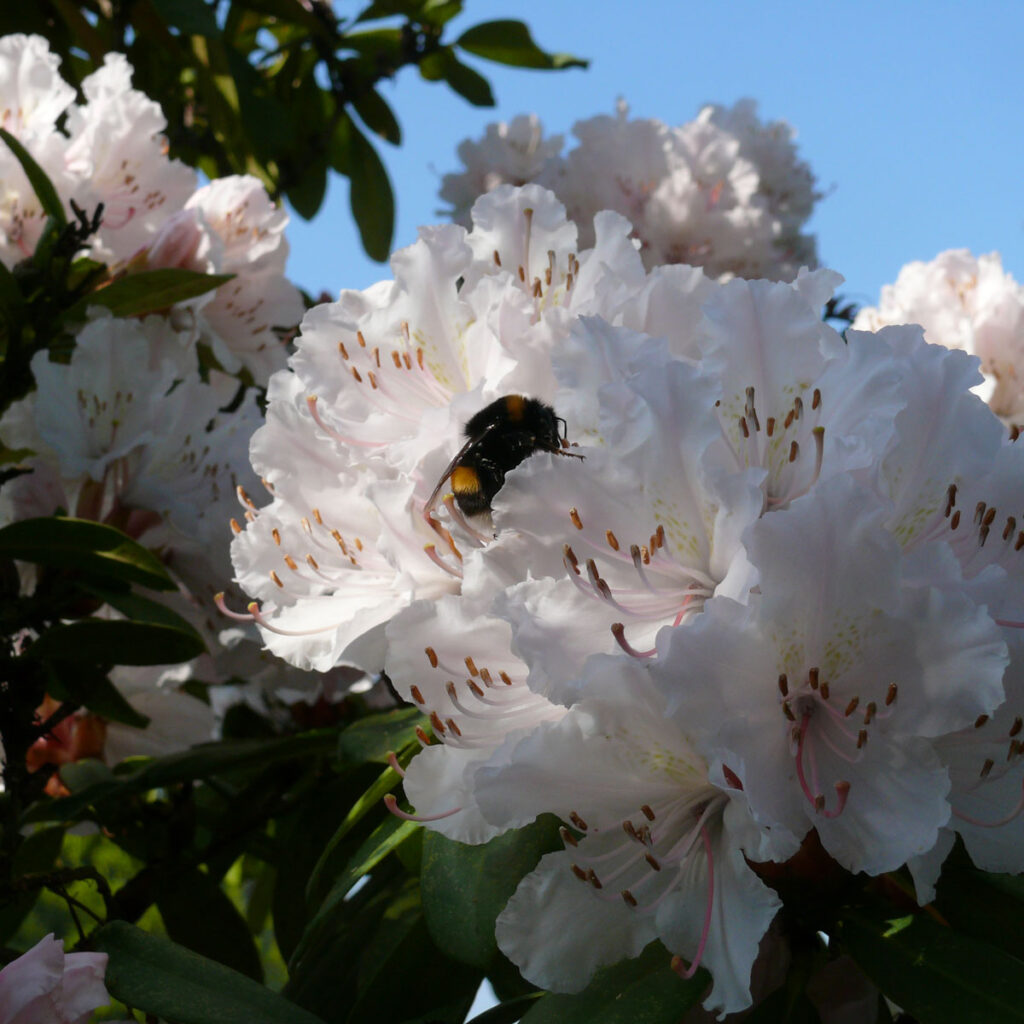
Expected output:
(378, 116)
(935, 973)
(160, 977)
(201, 762)
(987, 906)
(67, 543)
(469, 84)
(148, 291)
(466, 887)
(510, 42)
(193, 17)
(198, 914)
(641, 991)
(38, 179)
(117, 642)
(89, 687)
(370, 195)
(374, 737)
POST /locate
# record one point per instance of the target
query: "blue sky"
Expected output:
(910, 114)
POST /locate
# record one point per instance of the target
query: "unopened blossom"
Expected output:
(833, 683)
(48, 986)
(655, 842)
(964, 302)
(512, 153)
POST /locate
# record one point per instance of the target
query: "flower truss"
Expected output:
(966, 302)
(780, 597)
(145, 426)
(725, 191)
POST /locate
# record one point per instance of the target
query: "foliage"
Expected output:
(287, 90)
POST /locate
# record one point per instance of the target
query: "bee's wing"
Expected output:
(450, 469)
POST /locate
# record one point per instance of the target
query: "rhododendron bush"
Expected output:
(593, 610)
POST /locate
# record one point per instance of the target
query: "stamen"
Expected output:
(218, 600)
(677, 962)
(393, 761)
(619, 632)
(392, 805)
(575, 517)
(1018, 807)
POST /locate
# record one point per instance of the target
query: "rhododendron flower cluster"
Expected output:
(779, 599)
(725, 191)
(966, 302)
(137, 428)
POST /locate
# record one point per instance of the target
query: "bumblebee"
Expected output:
(498, 438)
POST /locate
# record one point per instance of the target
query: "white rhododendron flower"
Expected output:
(964, 302)
(723, 191)
(512, 153)
(655, 842)
(372, 409)
(48, 986)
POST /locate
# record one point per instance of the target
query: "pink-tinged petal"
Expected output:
(558, 932)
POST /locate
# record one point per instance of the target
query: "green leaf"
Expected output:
(934, 973)
(36, 854)
(193, 17)
(64, 543)
(90, 687)
(148, 291)
(140, 609)
(510, 42)
(986, 906)
(370, 195)
(378, 116)
(387, 836)
(469, 84)
(308, 193)
(117, 642)
(200, 762)
(198, 914)
(641, 991)
(38, 179)
(162, 978)
(466, 887)
(374, 737)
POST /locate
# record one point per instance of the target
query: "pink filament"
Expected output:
(706, 930)
(392, 805)
(1001, 821)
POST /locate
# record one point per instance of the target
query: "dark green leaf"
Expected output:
(439, 12)
(374, 737)
(470, 85)
(148, 291)
(510, 42)
(308, 193)
(201, 762)
(388, 836)
(162, 978)
(466, 887)
(65, 543)
(11, 300)
(36, 854)
(934, 973)
(139, 608)
(90, 687)
(508, 1012)
(41, 184)
(401, 948)
(641, 991)
(378, 116)
(198, 914)
(193, 17)
(986, 906)
(370, 195)
(117, 642)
